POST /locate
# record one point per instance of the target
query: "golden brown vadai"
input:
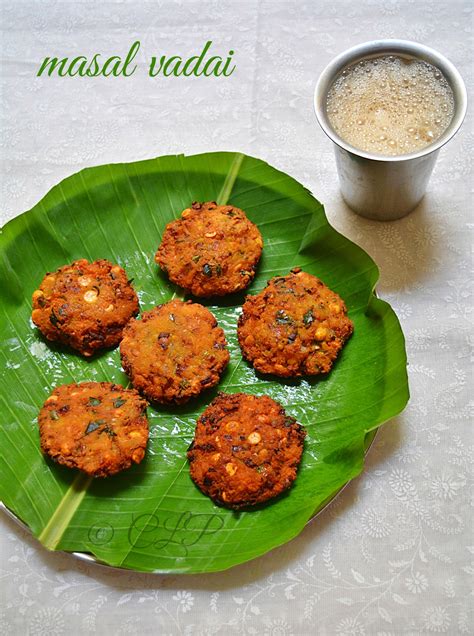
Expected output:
(295, 326)
(97, 427)
(212, 250)
(85, 305)
(174, 352)
(245, 451)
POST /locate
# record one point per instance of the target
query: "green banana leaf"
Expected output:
(152, 517)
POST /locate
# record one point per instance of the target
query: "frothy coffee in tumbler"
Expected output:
(390, 105)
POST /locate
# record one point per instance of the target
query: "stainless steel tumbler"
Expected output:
(379, 186)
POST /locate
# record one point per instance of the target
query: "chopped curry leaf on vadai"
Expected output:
(174, 352)
(97, 427)
(212, 250)
(85, 305)
(295, 326)
(245, 451)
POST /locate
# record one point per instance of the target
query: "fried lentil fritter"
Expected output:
(295, 326)
(212, 250)
(85, 305)
(245, 451)
(174, 352)
(97, 427)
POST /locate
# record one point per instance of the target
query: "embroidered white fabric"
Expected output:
(392, 554)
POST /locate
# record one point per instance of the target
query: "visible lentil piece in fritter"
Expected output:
(174, 352)
(97, 427)
(212, 250)
(85, 305)
(295, 326)
(245, 451)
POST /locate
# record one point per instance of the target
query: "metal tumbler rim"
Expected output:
(376, 48)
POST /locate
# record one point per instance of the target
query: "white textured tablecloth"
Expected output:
(392, 554)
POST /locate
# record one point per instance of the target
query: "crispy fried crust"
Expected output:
(85, 305)
(97, 427)
(295, 326)
(174, 352)
(212, 250)
(245, 451)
